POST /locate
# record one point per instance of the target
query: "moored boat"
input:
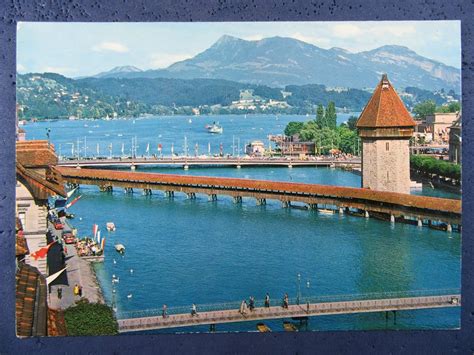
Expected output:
(110, 226)
(120, 248)
(289, 327)
(261, 327)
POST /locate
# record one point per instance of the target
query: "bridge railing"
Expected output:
(292, 301)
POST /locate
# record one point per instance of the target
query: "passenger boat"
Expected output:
(110, 226)
(262, 328)
(120, 248)
(215, 128)
(289, 327)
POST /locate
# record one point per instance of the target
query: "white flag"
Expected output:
(54, 276)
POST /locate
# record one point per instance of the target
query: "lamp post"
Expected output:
(298, 296)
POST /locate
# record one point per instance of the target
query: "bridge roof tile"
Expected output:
(423, 202)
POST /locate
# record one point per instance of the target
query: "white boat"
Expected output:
(110, 226)
(215, 128)
(120, 248)
(326, 211)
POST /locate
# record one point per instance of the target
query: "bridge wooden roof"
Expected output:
(385, 109)
(424, 202)
(35, 154)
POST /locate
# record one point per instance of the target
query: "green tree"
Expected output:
(347, 140)
(90, 319)
(320, 116)
(424, 108)
(293, 128)
(330, 116)
(351, 123)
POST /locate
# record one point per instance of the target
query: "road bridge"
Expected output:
(417, 209)
(187, 162)
(229, 312)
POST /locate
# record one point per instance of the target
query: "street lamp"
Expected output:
(298, 296)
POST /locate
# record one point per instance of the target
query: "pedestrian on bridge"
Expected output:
(193, 310)
(164, 311)
(267, 300)
(251, 303)
(285, 301)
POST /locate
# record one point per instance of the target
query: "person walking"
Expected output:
(267, 300)
(163, 313)
(76, 290)
(251, 303)
(80, 291)
(244, 308)
(60, 293)
(193, 310)
(285, 301)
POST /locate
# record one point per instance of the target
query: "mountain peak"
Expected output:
(227, 39)
(124, 69)
(394, 48)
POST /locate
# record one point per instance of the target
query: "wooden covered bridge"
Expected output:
(395, 206)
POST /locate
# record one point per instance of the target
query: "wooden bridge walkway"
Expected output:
(277, 312)
(393, 205)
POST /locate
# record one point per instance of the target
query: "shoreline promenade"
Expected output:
(80, 272)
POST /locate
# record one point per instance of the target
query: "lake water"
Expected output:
(183, 251)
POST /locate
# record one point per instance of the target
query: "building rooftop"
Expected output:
(31, 308)
(35, 168)
(385, 109)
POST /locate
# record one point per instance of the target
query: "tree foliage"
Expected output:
(425, 108)
(90, 319)
(293, 128)
(432, 165)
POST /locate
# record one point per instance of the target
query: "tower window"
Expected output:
(387, 146)
(388, 174)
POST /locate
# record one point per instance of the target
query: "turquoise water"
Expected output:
(194, 251)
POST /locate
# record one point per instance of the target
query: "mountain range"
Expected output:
(281, 61)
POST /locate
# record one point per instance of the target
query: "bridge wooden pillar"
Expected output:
(105, 188)
(285, 204)
(420, 222)
(147, 192)
(392, 218)
(366, 214)
(341, 210)
(212, 197)
(237, 199)
(133, 167)
(261, 202)
(169, 194)
(128, 190)
(312, 206)
(186, 167)
(191, 195)
(449, 228)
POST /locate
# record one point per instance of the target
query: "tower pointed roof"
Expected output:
(385, 109)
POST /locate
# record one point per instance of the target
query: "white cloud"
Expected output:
(163, 60)
(254, 37)
(346, 30)
(318, 41)
(110, 47)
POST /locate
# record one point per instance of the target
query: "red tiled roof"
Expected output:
(385, 109)
(30, 309)
(41, 188)
(56, 323)
(100, 176)
(38, 153)
(21, 246)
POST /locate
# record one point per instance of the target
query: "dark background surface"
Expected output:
(11, 11)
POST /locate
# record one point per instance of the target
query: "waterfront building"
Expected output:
(455, 141)
(437, 126)
(385, 128)
(289, 146)
(36, 180)
(255, 148)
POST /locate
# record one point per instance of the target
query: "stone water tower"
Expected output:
(385, 128)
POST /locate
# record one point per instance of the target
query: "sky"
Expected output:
(81, 49)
